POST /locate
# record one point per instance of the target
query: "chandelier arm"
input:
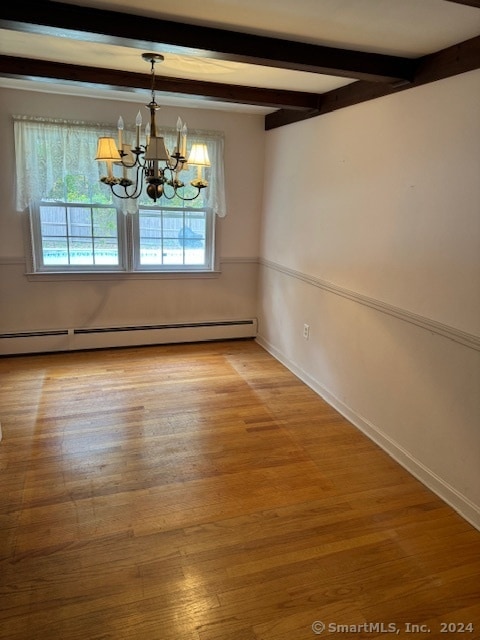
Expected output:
(137, 187)
(189, 199)
(176, 193)
(179, 161)
(138, 160)
(167, 197)
(127, 196)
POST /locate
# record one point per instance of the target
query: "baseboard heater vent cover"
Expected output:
(122, 336)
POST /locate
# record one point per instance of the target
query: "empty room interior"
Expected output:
(240, 319)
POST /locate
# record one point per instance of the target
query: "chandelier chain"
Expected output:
(152, 84)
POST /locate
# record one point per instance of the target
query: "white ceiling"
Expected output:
(399, 27)
(407, 28)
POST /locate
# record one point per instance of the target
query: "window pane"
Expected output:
(197, 223)
(79, 236)
(81, 251)
(53, 221)
(55, 251)
(151, 249)
(80, 222)
(106, 251)
(105, 223)
(172, 237)
(192, 239)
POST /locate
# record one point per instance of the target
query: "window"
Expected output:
(76, 225)
(77, 236)
(173, 237)
(86, 237)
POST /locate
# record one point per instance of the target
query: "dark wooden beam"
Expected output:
(27, 68)
(146, 33)
(469, 3)
(459, 58)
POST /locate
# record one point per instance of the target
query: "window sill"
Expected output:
(51, 276)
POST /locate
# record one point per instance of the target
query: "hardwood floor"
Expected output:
(202, 492)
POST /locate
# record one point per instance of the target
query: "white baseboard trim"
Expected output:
(462, 505)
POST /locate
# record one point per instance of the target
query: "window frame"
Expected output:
(128, 238)
(207, 265)
(37, 238)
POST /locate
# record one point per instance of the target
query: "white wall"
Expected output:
(371, 235)
(52, 303)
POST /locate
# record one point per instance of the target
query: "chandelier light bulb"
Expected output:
(120, 127)
(138, 127)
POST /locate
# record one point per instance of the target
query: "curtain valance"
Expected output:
(47, 150)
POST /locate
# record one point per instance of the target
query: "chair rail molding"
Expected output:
(462, 337)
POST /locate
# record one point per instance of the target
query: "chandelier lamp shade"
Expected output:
(150, 164)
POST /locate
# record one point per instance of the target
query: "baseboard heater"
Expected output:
(124, 336)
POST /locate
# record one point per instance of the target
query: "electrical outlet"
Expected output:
(306, 331)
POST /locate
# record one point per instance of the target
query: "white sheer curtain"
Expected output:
(215, 193)
(47, 150)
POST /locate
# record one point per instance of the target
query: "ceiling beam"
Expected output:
(147, 33)
(459, 58)
(26, 68)
(469, 3)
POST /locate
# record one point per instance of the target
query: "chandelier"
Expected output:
(151, 164)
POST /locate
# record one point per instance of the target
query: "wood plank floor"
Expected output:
(202, 492)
